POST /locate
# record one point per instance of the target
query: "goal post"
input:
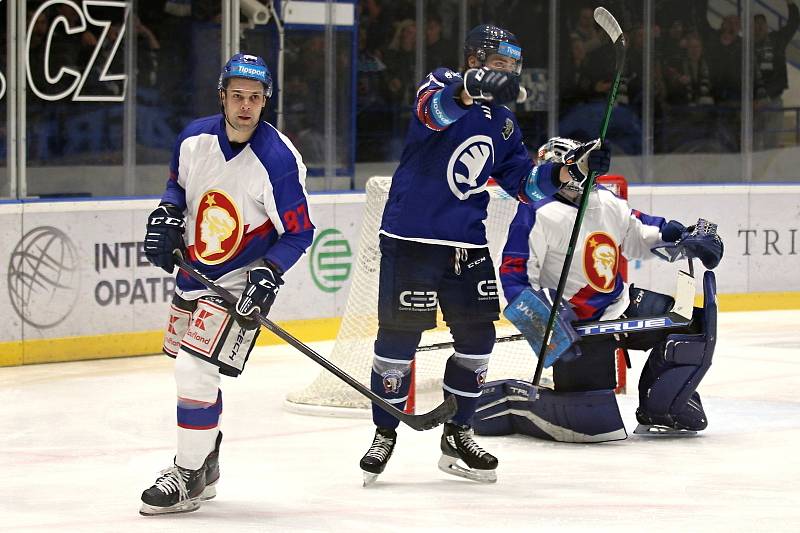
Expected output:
(353, 348)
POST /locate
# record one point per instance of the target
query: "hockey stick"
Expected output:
(679, 316)
(428, 420)
(610, 25)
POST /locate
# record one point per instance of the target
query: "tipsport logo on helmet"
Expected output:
(331, 260)
(253, 72)
(510, 50)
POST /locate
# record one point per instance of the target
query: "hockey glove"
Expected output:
(487, 84)
(673, 231)
(703, 241)
(587, 158)
(165, 227)
(258, 296)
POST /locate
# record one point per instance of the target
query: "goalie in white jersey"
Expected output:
(582, 406)
(236, 207)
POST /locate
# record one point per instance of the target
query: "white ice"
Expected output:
(80, 441)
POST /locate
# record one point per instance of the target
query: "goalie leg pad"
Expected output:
(675, 368)
(391, 371)
(515, 406)
(494, 413)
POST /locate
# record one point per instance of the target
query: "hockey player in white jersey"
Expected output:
(433, 243)
(582, 406)
(236, 207)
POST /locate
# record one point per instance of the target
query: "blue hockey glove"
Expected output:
(529, 312)
(673, 231)
(703, 241)
(258, 295)
(165, 227)
(487, 84)
(586, 158)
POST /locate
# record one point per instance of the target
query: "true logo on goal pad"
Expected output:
(331, 260)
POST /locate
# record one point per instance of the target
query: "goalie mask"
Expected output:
(484, 40)
(553, 151)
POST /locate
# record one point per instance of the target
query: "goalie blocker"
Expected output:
(668, 400)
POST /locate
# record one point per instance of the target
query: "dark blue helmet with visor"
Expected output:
(485, 40)
(249, 67)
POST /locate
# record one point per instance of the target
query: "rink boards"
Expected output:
(76, 285)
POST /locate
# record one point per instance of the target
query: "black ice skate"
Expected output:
(177, 490)
(685, 424)
(476, 463)
(211, 466)
(374, 461)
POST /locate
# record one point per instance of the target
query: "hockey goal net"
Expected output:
(353, 348)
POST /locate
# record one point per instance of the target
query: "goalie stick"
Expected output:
(610, 25)
(679, 316)
(431, 419)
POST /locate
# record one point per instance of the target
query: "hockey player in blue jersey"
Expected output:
(236, 207)
(433, 243)
(582, 406)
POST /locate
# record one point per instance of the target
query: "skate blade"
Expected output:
(183, 507)
(450, 465)
(209, 492)
(662, 431)
(369, 478)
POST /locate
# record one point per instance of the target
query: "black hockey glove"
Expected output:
(586, 158)
(165, 227)
(258, 296)
(487, 84)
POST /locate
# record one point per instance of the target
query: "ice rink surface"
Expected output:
(80, 441)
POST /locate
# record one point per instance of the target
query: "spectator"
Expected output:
(575, 84)
(400, 60)
(439, 52)
(586, 30)
(770, 78)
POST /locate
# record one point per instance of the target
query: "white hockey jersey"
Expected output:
(537, 246)
(243, 204)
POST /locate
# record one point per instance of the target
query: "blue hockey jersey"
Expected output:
(242, 204)
(438, 192)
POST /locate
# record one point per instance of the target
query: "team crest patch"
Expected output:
(218, 228)
(480, 374)
(601, 261)
(392, 381)
(508, 129)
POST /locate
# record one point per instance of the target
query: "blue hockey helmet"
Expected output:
(484, 40)
(249, 67)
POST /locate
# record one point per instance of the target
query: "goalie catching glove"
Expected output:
(529, 312)
(165, 227)
(258, 296)
(487, 84)
(701, 241)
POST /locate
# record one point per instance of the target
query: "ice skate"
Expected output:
(176, 490)
(211, 466)
(374, 461)
(685, 424)
(461, 455)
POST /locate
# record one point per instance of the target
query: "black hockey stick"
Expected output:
(610, 25)
(428, 420)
